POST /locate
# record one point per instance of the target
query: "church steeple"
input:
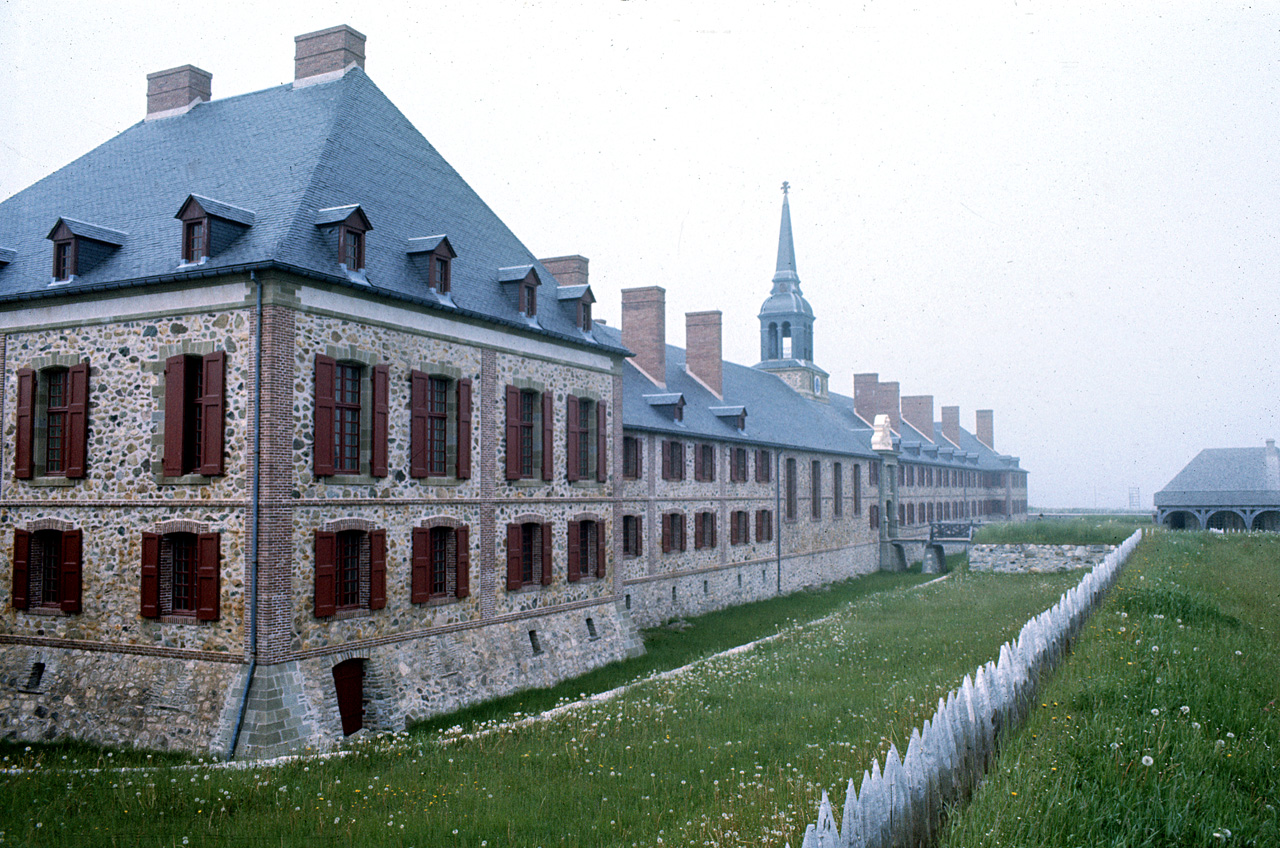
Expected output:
(786, 318)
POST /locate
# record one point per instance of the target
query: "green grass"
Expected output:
(734, 752)
(1087, 530)
(1181, 666)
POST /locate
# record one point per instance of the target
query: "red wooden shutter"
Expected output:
(711, 527)
(464, 430)
(513, 433)
(573, 439)
(602, 443)
(71, 550)
(683, 526)
(548, 435)
(208, 576)
(323, 449)
(22, 465)
(175, 413)
(326, 597)
(150, 585)
(639, 535)
(575, 559)
(462, 545)
(21, 566)
(214, 405)
(513, 557)
(666, 460)
(420, 567)
(546, 554)
(377, 569)
(602, 548)
(639, 457)
(381, 413)
(419, 383)
(697, 462)
(667, 521)
(77, 425)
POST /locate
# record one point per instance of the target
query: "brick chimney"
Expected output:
(644, 330)
(918, 410)
(568, 270)
(986, 428)
(887, 404)
(327, 52)
(176, 90)
(951, 423)
(864, 396)
(703, 356)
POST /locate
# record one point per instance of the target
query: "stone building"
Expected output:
(304, 440)
(1224, 489)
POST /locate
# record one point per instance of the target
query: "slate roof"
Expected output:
(285, 153)
(1226, 477)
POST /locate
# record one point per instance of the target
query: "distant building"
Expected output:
(1224, 489)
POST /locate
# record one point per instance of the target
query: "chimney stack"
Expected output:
(568, 270)
(887, 404)
(918, 410)
(176, 90)
(986, 428)
(864, 396)
(644, 330)
(327, 53)
(951, 423)
(703, 356)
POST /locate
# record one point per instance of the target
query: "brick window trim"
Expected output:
(540, 553)
(156, 587)
(32, 419)
(373, 568)
(69, 562)
(374, 415)
(457, 565)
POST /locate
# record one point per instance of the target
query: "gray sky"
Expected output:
(1065, 212)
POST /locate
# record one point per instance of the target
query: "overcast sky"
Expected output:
(1065, 212)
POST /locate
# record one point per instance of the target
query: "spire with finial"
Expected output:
(786, 319)
(785, 279)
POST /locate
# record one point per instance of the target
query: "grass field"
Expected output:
(734, 752)
(1085, 530)
(1163, 728)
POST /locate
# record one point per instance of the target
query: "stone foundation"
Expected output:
(1039, 559)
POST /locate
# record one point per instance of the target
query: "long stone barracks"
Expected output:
(300, 439)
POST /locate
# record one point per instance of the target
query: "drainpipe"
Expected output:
(253, 541)
(777, 511)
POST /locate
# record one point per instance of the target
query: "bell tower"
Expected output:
(786, 320)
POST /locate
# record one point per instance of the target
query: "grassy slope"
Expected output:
(735, 752)
(1182, 666)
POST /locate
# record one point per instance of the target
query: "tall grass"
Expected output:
(1092, 530)
(1164, 726)
(736, 751)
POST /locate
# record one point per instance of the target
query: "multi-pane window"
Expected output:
(441, 539)
(437, 425)
(529, 546)
(441, 278)
(739, 528)
(585, 549)
(790, 484)
(352, 248)
(738, 465)
(528, 403)
(704, 530)
(630, 457)
(194, 407)
(764, 525)
(873, 473)
(673, 532)
(350, 543)
(195, 237)
(585, 408)
(673, 460)
(704, 463)
(529, 298)
(47, 569)
(530, 542)
(346, 418)
(56, 410)
(764, 466)
(815, 489)
(181, 548)
(64, 260)
(632, 544)
(440, 564)
(837, 489)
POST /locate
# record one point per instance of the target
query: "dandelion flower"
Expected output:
(1155, 712)
(1185, 709)
(1147, 761)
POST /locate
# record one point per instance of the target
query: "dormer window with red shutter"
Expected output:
(579, 298)
(433, 257)
(78, 247)
(525, 279)
(210, 226)
(348, 225)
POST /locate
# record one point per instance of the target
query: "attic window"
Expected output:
(78, 247)
(209, 225)
(669, 400)
(194, 241)
(433, 257)
(581, 298)
(584, 315)
(734, 415)
(351, 224)
(527, 279)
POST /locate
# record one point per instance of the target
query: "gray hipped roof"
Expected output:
(285, 153)
(1226, 477)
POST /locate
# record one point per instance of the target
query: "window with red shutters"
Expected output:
(47, 570)
(351, 570)
(430, 435)
(194, 414)
(340, 395)
(53, 404)
(631, 458)
(528, 554)
(573, 465)
(673, 460)
(440, 564)
(437, 415)
(348, 564)
(764, 525)
(632, 535)
(346, 418)
(764, 466)
(673, 532)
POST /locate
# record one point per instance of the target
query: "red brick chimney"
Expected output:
(918, 411)
(568, 270)
(327, 51)
(703, 356)
(887, 404)
(174, 91)
(864, 396)
(644, 330)
(951, 423)
(986, 428)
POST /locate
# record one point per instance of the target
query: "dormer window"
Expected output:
(351, 225)
(581, 298)
(673, 401)
(209, 226)
(527, 280)
(78, 247)
(433, 257)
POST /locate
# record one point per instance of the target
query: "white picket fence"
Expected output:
(901, 805)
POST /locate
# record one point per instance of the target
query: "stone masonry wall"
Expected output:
(1036, 558)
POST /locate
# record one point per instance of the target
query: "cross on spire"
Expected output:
(786, 187)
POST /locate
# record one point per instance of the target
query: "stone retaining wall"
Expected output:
(1037, 559)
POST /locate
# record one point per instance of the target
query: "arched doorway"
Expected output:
(1227, 520)
(1269, 521)
(1182, 521)
(348, 683)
